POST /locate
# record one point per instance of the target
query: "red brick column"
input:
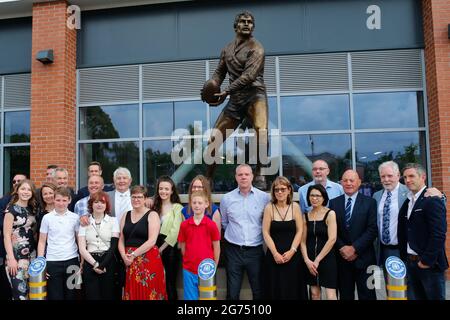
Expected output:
(436, 17)
(53, 92)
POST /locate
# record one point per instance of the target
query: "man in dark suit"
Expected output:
(389, 201)
(422, 233)
(356, 216)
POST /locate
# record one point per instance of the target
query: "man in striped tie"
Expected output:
(356, 217)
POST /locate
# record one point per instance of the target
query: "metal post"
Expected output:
(37, 280)
(207, 280)
(396, 279)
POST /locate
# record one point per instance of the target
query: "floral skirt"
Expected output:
(144, 279)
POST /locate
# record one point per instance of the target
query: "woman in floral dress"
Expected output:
(19, 230)
(137, 245)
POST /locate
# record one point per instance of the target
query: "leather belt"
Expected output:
(243, 247)
(413, 257)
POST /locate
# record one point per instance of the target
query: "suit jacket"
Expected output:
(363, 228)
(112, 201)
(425, 231)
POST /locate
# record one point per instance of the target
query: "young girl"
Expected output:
(167, 205)
(19, 230)
(198, 239)
(58, 231)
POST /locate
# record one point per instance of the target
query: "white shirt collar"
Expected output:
(123, 194)
(416, 195)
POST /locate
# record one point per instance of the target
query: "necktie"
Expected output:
(385, 236)
(348, 213)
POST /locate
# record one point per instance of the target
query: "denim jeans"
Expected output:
(425, 284)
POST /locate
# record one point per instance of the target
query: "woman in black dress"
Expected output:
(318, 244)
(282, 231)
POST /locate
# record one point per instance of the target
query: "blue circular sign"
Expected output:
(395, 267)
(37, 266)
(206, 269)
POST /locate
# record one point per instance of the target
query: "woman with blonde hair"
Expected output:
(201, 183)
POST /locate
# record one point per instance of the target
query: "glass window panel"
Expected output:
(374, 148)
(16, 160)
(300, 151)
(389, 110)
(158, 119)
(109, 122)
(305, 113)
(111, 155)
(158, 162)
(17, 126)
(273, 113)
(187, 112)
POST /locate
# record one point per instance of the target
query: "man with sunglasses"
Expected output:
(5, 289)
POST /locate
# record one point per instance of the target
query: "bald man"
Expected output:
(320, 172)
(356, 217)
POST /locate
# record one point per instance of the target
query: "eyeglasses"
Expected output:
(315, 196)
(280, 190)
(16, 181)
(137, 197)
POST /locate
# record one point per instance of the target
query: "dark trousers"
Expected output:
(99, 286)
(171, 257)
(386, 252)
(5, 287)
(240, 258)
(348, 277)
(425, 284)
(61, 283)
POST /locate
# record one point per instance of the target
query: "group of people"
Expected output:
(127, 245)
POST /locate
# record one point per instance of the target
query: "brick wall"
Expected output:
(53, 92)
(436, 15)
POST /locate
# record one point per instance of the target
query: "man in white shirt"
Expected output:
(120, 197)
(120, 200)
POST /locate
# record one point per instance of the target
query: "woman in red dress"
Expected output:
(137, 245)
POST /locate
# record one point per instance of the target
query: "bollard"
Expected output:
(206, 280)
(37, 280)
(396, 279)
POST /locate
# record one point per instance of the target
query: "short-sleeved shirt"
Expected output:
(198, 242)
(98, 238)
(61, 232)
(23, 230)
(81, 207)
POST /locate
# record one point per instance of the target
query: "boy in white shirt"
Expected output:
(58, 231)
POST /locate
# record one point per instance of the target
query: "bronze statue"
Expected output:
(243, 60)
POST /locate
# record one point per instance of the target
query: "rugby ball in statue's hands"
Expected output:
(210, 88)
